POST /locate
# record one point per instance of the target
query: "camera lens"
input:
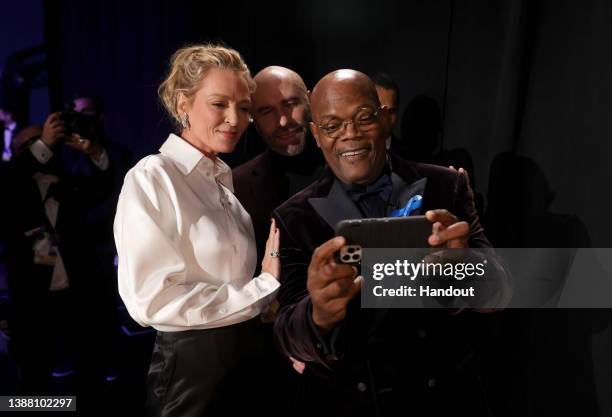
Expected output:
(346, 258)
(355, 257)
(351, 250)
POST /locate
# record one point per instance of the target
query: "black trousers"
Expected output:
(208, 372)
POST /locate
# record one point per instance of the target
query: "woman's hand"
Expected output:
(271, 264)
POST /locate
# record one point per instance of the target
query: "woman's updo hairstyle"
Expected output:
(189, 66)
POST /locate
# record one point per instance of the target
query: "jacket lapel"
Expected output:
(264, 177)
(335, 207)
(259, 174)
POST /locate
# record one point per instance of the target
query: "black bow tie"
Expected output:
(382, 187)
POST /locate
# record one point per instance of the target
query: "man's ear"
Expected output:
(314, 129)
(254, 123)
(385, 117)
(384, 110)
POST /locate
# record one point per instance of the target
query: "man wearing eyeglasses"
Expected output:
(362, 362)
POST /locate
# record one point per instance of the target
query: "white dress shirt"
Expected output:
(186, 245)
(59, 278)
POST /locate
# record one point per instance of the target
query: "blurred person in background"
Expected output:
(57, 176)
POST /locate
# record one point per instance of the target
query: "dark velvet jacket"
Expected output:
(376, 358)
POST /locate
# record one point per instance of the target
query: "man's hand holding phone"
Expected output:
(447, 231)
(331, 285)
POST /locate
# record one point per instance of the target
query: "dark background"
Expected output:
(526, 76)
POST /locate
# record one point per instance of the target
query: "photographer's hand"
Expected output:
(53, 130)
(91, 148)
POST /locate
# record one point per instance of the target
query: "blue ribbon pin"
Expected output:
(413, 204)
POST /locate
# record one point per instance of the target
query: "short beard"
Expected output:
(288, 150)
(293, 150)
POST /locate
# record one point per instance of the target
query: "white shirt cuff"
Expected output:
(270, 286)
(268, 276)
(41, 152)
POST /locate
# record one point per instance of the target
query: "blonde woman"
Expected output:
(186, 246)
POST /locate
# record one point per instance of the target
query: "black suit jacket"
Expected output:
(267, 181)
(376, 359)
(260, 189)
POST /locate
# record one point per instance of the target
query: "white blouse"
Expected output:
(186, 245)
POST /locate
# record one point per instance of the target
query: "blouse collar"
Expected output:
(187, 158)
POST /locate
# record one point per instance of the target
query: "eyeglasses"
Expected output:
(364, 120)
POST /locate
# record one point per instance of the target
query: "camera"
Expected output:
(87, 125)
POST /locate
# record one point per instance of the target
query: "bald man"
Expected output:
(281, 112)
(374, 362)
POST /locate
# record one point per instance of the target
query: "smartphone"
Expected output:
(385, 232)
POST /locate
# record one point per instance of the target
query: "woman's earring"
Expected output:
(185, 121)
(250, 119)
